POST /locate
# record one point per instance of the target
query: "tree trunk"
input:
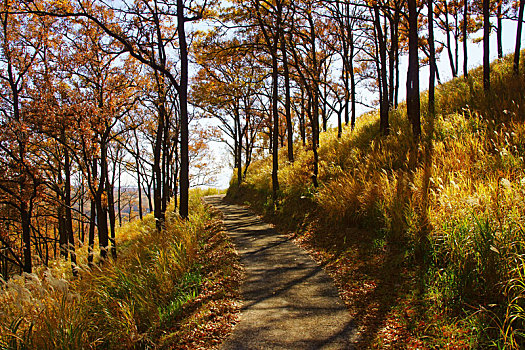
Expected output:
(413, 106)
(346, 82)
(183, 99)
(288, 100)
(175, 176)
(101, 204)
(112, 217)
(165, 162)
(384, 105)
(449, 43)
(465, 37)
(486, 38)
(302, 123)
(348, 47)
(339, 124)
(61, 220)
(275, 129)
(394, 39)
(137, 164)
(517, 50)
(92, 220)
(69, 215)
(157, 175)
(499, 30)
(432, 63)
(80, 219)
(352, 81)
(25, 216)
(314, 120)
(119, 199)
(324, 113)
(238, 145)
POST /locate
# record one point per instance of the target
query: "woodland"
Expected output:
(111, 112)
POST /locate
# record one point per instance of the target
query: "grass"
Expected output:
(162, 290)
(425, 240)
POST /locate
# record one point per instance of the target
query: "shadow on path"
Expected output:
(289, 301)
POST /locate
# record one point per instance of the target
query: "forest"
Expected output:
(111, 112)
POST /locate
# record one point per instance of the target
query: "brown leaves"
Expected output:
(210, 317)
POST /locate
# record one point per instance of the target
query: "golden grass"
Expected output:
(135, 301)
(453, 204)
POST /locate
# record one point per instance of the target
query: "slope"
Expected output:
(425, 240)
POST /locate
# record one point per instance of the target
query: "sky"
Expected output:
(475, 53)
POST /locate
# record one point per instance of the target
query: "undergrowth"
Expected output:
(443, 217)
(161, 283)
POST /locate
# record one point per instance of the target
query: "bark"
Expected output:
(517, 50)
(275, 128)
(486, 38)
(92, 218)
(499, 31)
(314, 116)
(62, 234)
(165, 163)
(137, 164)
(315, 102)
(157, 159)
(238, 145)
(394, 52)
(25, 216)
(175, 175)
(101, 204)
(69, 215)
(347, 57)
(352, 81)
(346, 82)
(288, 100)
(324, 107)
(112, 217)
(80, 219)
(465, 36)
(119, 198)
(183, 99)
(413, 105)
(339, 124)
(302, 124)
(384, 104)
(449, 43)
(432, 63)
(148, 194)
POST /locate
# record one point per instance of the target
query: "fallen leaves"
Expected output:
(208, 319)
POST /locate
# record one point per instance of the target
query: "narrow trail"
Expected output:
(289, 302)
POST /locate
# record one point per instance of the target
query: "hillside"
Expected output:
(173, 289)
(425, 240)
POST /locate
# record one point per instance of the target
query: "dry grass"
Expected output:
(444, 218)
(162, 290)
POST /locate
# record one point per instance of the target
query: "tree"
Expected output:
(140, 31)
(21, 38)
(413, 105)
(432, 61)
(225, 89)
(384, 104)
(517, 50)
(486, 41)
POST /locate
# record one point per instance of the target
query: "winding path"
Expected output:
(289, 302)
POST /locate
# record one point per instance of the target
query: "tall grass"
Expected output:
(122, 304)
(454, 202)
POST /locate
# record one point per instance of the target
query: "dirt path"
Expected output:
(289, 301)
